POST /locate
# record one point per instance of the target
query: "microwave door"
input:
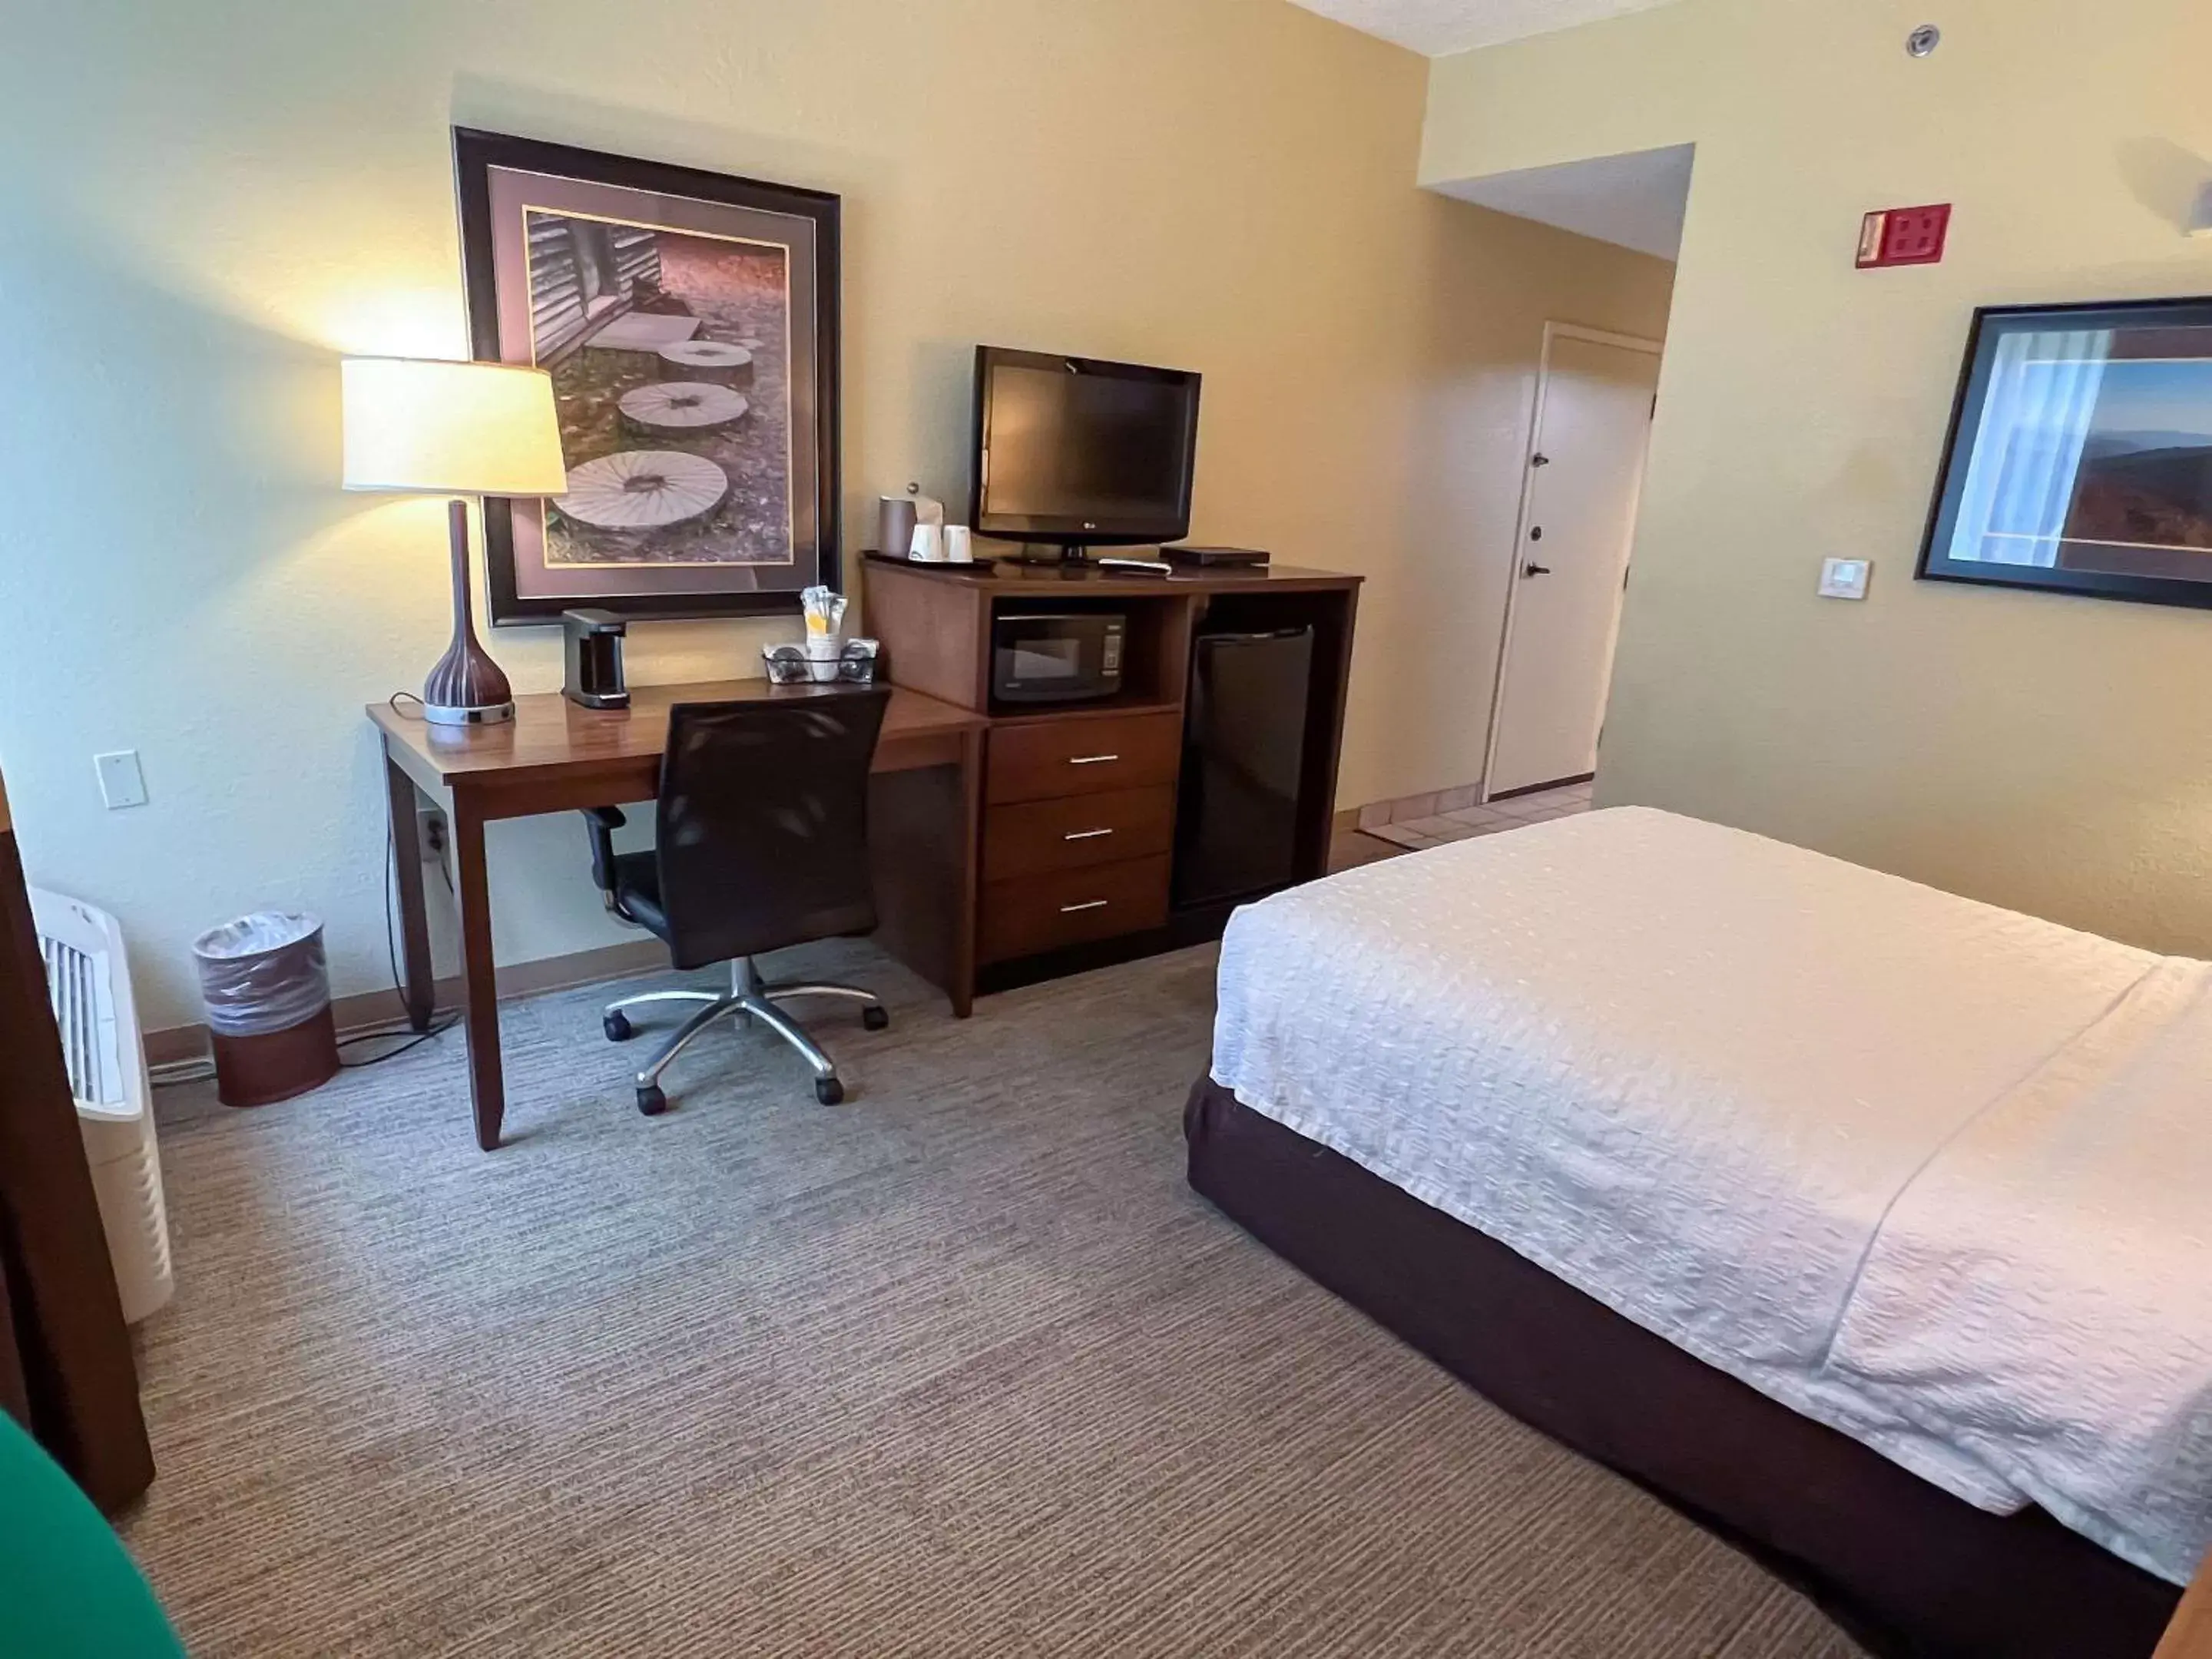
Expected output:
(1055, 659)
(1045, 663)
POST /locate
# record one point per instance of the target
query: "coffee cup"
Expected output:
(959, 544)
(928, 544)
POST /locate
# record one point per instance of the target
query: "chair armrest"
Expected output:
(602, 822)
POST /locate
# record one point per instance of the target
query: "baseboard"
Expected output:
(370, 1011)
(1539, 788)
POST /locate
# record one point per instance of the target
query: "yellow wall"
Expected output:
(202, 206)
(2050, 753)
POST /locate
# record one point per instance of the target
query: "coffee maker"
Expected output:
(593, 645)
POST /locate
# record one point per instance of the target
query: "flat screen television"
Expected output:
(1078, 453)
(2081, 453)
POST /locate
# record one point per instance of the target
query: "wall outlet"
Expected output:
(1844, 579)
(430, 835)
(121, 781)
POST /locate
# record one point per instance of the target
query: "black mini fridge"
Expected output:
(1244, 732)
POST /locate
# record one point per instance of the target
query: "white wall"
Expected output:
(2050, 753)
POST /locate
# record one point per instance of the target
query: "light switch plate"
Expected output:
(121, 781)
(1844, 579)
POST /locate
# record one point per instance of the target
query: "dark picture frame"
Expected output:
(747, 511)
(2079, 458)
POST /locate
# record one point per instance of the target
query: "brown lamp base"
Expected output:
(466, 688)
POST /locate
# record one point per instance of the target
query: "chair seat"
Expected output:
(637, 889)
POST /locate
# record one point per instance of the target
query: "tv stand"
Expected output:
(1079, 814)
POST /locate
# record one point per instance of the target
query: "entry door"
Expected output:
(1594, 423)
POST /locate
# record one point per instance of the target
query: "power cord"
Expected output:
(437, 1027)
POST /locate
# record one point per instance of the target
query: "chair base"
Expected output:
(749, 997)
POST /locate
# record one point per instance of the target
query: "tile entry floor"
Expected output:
(1508, 813)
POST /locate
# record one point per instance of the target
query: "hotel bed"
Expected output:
(1868, 1224)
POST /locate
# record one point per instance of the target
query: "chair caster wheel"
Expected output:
(875, 1019)
(829, 1090)
(617, 1027)
(651, 1101)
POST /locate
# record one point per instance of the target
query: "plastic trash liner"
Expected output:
(267, 987)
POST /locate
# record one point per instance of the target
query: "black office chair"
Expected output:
(762, 842)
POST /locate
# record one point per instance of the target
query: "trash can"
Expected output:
(267, 987)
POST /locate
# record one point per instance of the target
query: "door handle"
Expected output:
(1090, 760)
(1085, 835)
(1092, 904)
(1532, 568)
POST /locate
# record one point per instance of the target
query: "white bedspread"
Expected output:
(1930, 1171)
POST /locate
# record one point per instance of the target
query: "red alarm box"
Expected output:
(1904, 236)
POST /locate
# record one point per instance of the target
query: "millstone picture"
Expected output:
(670, 357)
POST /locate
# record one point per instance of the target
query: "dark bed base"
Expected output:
(1908, 1569)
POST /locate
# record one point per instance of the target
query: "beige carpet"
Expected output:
(960, 1367)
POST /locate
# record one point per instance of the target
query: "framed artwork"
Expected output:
(689, 322)
(2080, 460)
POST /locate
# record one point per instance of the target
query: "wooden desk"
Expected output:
(554, 756)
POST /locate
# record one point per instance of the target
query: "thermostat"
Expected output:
(1844, 579)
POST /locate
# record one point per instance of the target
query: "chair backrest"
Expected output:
(764, 823)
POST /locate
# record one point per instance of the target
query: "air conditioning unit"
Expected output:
(89, 981)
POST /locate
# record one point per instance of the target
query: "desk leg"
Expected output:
(418, 982)
(479, 982)
(962, 987)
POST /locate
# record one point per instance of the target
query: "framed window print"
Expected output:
(2081, 453)
(690, 321)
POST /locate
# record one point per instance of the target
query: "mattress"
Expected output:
(1723, 1085)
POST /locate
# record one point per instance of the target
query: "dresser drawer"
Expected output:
(1054, 758)
(1031, 837)
(1042, 913)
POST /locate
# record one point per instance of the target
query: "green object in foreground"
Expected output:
(67, 1587)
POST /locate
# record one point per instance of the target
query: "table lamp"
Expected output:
(423, 426)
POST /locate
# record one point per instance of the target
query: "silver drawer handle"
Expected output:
(1095, 904)
(1085, 835)
(1090, 760)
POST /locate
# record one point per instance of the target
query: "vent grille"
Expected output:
(77, 986)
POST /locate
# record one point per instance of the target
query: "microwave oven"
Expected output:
(1057, 656)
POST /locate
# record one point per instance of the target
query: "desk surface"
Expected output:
(549, 734)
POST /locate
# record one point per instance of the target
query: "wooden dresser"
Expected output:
(1079, 800)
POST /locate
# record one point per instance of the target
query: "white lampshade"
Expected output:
(446, 429)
